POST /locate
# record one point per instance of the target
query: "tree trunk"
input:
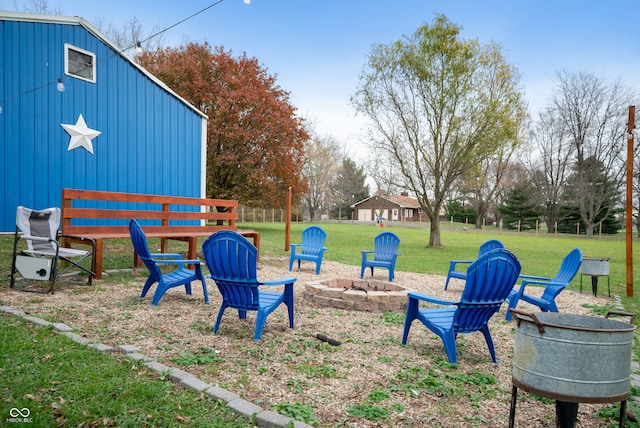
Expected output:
(221, 210)
(434, 235)
(551, 223)
(589, 230)
(481, 212)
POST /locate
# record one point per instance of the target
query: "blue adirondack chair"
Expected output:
(153, 261)
(385, 253)
(488, 283)
(232, 262)
(311, 249)
(552, 286)
(484, 248)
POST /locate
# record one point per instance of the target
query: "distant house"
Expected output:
(400, 207)
(75, 112)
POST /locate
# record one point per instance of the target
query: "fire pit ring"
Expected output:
(359, 295)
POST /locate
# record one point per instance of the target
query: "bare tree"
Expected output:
(36, 6)
(514, 175)
(592, 114)
(322, 162)
(131, 38)
(548, 164)
(483, 181)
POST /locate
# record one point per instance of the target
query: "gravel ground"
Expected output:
(370, 380)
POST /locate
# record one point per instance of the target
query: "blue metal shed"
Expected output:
(124, 130)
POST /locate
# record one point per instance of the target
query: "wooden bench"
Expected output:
(103, 215)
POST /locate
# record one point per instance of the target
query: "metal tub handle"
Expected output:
(520, 314)
(623, 314)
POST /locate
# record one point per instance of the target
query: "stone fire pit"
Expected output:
(360, 295)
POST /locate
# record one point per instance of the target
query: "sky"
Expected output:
(316, 49)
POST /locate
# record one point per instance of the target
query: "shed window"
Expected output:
(79, 63)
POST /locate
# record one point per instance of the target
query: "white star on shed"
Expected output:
(81, 135)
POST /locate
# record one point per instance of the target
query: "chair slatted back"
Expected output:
(313, 238)
(489, 281)
(569, 267)
(568, 270)
(491, 244)
(139, 241)
(232, 263)
(385, 246)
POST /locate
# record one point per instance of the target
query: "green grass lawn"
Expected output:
(539, 254)
(62, 383)
(114, 391)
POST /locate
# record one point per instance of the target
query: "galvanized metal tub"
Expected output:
(572, 358)
(593, 266)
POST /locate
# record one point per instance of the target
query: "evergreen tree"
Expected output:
(460, 213)
(521, 207)
(350, 188)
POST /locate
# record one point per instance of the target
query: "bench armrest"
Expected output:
(79, 238)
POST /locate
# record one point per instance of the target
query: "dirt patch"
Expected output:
(370, 380)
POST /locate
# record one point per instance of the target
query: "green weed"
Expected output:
(297, 411)
(204, 355)
(368, 411)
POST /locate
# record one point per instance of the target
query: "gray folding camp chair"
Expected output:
(44, 259)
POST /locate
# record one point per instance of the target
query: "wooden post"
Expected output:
(629, 224)
(287, 228)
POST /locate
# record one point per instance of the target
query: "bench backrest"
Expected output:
(91, 211)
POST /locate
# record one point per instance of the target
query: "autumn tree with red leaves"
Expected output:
(255, 141)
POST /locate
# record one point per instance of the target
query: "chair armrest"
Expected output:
(364, 252)
(455, 262)
(36, 238)
(534, 278)
(177, 262)
(430, 299)
(280, 281)
(538, 284)
(166, 255)
(542, 283)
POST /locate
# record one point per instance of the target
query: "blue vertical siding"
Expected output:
(150, 141)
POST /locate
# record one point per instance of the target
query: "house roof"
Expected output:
(403, 201)
(76, 20)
